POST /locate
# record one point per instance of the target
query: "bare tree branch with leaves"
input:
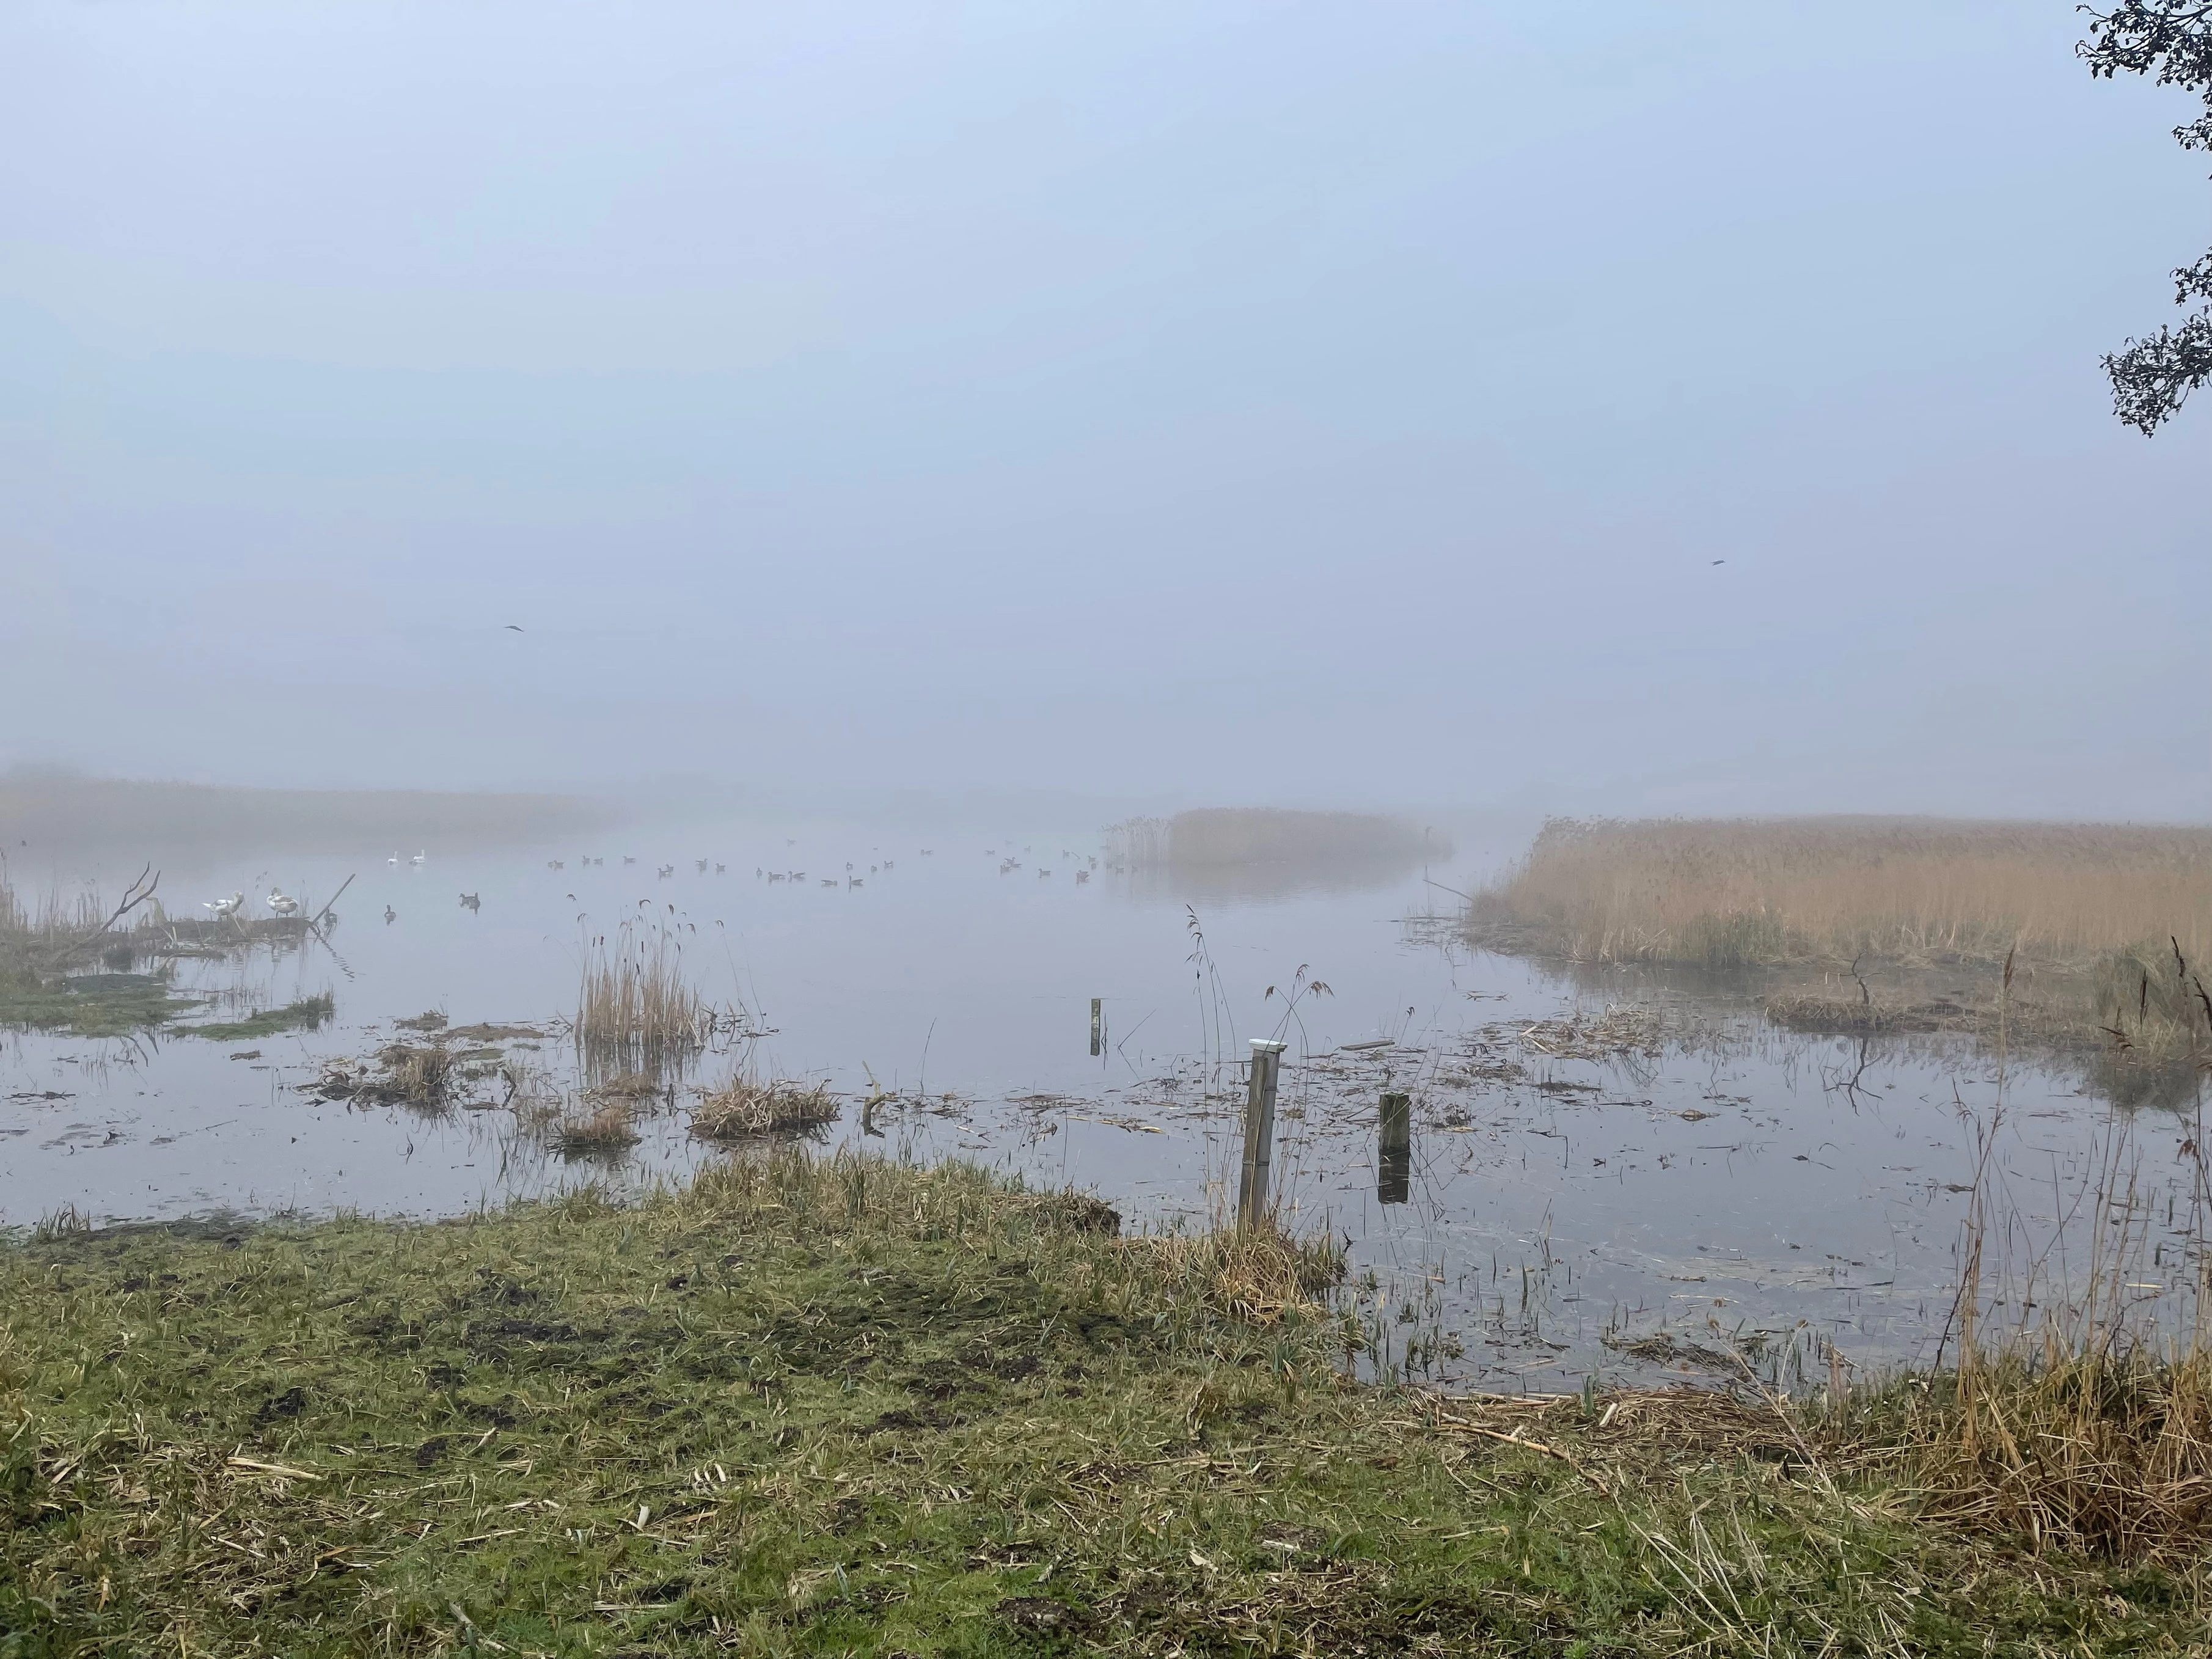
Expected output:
(2171, 41)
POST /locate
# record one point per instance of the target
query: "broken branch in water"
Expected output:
(314, 926)
(140, 890)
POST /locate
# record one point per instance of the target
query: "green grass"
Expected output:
(119, 1004)
(90, 1005)
(832, 1407)
(302, 1015)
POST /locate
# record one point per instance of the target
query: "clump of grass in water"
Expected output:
(423, 1075)
(744, 1108)
(605, 1131)
(308, 1015)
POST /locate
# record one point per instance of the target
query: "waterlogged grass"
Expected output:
(90, 1005)
(827, 1406)
(306, 1015)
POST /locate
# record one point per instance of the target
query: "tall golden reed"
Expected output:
(1917, 891)
(636, 996)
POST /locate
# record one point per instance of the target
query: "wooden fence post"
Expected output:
(1393, 1167)
(1259, 1129)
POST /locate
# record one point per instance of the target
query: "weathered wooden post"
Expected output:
(1097, 1026)
(1259, 1129)
(1393, 1166)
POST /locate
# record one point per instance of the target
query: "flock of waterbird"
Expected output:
(282, 904)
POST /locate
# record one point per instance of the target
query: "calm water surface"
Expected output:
(1653, 1191)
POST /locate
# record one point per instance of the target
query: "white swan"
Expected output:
(281, 904)
(417, 858)
(228, 907)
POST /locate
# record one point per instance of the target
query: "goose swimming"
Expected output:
(468, 901)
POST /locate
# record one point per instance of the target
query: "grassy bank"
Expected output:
(836, 1406)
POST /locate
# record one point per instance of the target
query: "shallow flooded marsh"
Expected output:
(1602, 1178)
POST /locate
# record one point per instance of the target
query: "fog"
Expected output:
(1617, 408)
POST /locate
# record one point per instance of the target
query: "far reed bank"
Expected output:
(849, 1405)
(1225, 835)
(2102, 924)
(51, 822)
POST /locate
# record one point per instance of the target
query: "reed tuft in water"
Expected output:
(636, 1001)
(605, 1130)
(744, 1108)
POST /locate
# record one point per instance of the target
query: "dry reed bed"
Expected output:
(1259, 834)
(2103, 1453)
(1726, 893)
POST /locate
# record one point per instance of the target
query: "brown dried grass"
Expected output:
(603, 1132)
(1727, 893)
(1260, 1275)
(2085, 1425)
(636, 998)
(2108, 1454)
(744, 1108)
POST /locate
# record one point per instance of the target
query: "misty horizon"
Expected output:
(1424, 411)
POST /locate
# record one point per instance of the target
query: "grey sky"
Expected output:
(1321, 404)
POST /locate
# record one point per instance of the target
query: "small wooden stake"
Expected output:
(1394, 1168)
(1259, 1130)
(1097, 1026)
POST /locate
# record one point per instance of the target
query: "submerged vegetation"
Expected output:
(307, 1014)
(844, 1405)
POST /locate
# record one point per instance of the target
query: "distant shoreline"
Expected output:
(42, 814)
